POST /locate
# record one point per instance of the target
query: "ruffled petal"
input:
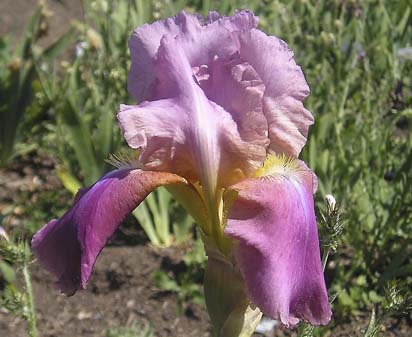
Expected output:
(285, 89)
(274, 222)
(235, 86)
(188, 134)
(200, 41)
(158, 129)
(69, 246)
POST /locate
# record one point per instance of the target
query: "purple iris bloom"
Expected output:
(220, 113)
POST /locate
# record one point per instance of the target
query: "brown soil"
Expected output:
(120, 293)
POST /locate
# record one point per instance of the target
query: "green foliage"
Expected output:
(18, 300)
(7, 273)
(163, 221)
(17, 79)
(185, 279)
(306, 330)
(397, 300)
(47, 205)
(331, 225)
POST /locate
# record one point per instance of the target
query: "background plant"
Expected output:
(162, 219)
(18, 79)
(17, 300)
(184, 278)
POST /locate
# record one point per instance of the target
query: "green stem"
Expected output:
(31, 315)
(229, 308)
(325, 258)
(214, 202)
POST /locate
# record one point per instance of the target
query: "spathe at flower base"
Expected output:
(220, 122)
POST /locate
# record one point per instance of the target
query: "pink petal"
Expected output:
(201, 42)
(188, 134)
(69, 246)
(285, 89)
(278, 252)
(235, 85)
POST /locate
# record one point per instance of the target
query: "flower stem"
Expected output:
(325, 258)
(31, 315)
(214, 205)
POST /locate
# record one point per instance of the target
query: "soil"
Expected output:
(121, 292)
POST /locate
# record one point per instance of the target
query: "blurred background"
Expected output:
(63, 69)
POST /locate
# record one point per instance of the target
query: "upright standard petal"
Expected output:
(202, 41)
(188, 134)
(274, 222)
(285, 89)
(235, 86)
(69, 246)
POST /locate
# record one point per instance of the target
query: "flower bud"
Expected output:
(330, 200)
(94, 39)
(15, 64)
(80, 48)
(338, 24)
(328, 38)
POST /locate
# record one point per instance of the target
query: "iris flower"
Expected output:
(220, 122)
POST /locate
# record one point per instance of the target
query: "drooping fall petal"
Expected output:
(69, 246)
(285, 89)
(274, 222)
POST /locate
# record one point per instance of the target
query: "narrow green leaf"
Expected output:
(142, 215)
(69, 182)
(52, 51)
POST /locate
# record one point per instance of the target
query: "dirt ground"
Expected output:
(120, 293)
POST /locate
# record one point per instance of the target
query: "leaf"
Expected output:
(69, 182)
(164, 282)
(52, 51)
(142, 214)
(104, 134)
(373, 327)
(79, 137)
(7, 272)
